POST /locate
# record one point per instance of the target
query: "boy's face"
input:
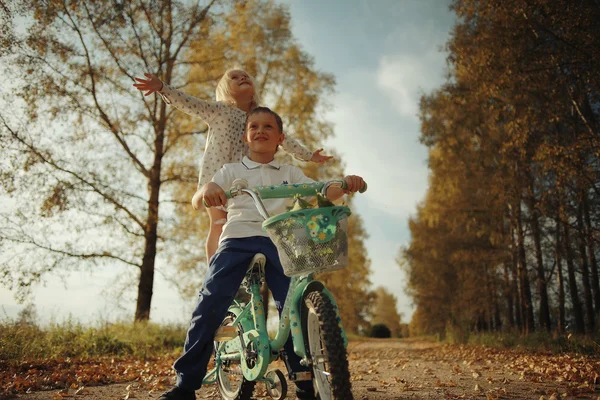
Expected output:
(262, 133)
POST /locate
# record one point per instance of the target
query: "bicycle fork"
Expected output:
(291, 316)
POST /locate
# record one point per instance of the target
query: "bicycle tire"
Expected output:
(246, 387)
(323, 338)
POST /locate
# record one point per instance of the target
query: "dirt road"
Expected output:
(418, 369)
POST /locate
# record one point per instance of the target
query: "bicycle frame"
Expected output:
(251, 316)
(290, 320)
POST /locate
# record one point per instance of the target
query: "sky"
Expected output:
(384, 54)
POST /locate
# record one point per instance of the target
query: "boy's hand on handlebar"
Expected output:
(150, 85)
(213, 195)
(354, 182)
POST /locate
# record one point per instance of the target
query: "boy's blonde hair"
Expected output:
(224, 94)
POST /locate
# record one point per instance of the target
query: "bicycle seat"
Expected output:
(257, 265)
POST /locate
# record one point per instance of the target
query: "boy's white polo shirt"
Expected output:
(243, 219)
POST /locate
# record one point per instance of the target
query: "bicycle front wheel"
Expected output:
(324, 342)
(231, 381)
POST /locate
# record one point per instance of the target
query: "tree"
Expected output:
(106, 174)
(8, 10)
(513, 143)
(255, 35)
(259, 38)
(100, 175)
(385, 311)
(351, 285)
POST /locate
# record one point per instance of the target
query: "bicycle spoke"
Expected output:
(230, 377)
(320, 358)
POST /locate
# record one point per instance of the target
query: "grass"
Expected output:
(538, 342)
(27, 341)
(21, 341)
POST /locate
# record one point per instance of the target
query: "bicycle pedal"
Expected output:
(226, 333)
(301, 376)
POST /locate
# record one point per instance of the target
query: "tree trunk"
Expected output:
(496, 320)
(506, 290)
(542, 286)
(592, 254)
(491, 295)
(516, 292)
(497, 317)
(145, 287)
(575, 302)
(585, 272)
(508, 296)
(144, 300)
(561, 282)
(527, 305)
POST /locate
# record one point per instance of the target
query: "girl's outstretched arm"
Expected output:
(300, 152)
(320, 158)
(205, 110)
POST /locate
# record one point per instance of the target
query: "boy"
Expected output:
(241, 239)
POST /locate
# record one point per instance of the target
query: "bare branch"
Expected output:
(193, 23)
(71, 254)
(182, 135)
(138, 38)
(100, 109)
(92, 185)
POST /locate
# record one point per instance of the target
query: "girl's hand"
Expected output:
(150, 85)
(212, 194)
(197, 200)
(355, 183)
(319, 158)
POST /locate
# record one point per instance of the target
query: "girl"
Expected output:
(236, 96)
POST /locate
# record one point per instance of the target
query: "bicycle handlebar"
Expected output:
(285, 190)
(291, 190)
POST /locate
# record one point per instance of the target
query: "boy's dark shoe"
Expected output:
(306, 394)
(178, 393)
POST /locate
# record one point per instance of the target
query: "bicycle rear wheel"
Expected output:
(231, 381)
(325, 345)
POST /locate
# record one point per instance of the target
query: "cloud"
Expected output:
(413, 61)
(381, 147)
(404, 78)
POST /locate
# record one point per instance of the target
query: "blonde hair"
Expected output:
(223, 93)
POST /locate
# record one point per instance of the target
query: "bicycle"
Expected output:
(309, 241)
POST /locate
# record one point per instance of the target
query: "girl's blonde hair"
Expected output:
(223, 93)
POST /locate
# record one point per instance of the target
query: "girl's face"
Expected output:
(240, 84)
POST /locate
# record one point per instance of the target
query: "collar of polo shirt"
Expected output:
(248, 163)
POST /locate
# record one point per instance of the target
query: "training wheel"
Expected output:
(277, 390)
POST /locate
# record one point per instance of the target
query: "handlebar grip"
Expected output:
(227, 194)
(345, 186)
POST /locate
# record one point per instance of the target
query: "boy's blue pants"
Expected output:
(225, 274)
